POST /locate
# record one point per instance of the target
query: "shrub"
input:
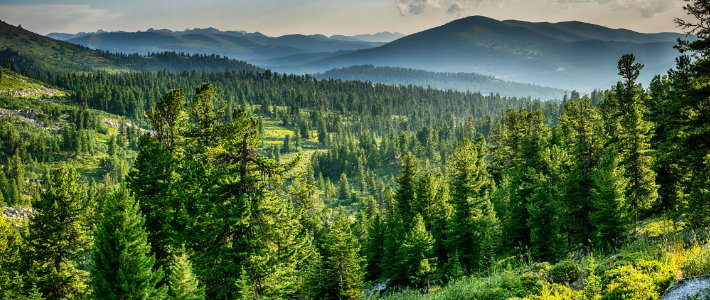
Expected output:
(554, 292)
(696, 261)
(564, 272)
(663, 275)
(627, 283)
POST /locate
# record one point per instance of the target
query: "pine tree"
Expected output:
(343, 188)
(122, 264)
(182, 282)
(611, 206)
(57, 239)
(635, 137)
(699, 200)
(286, 147)
(10, 245)
(415, 255)
(343, 276)
(406, 188)
(361, 178)
(373, 248)
(473, 225)
(544, 222)
(16, 170)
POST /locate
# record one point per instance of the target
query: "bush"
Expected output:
(554, 292)
(564, 272)
(662, 275)
(627, 283)
(696, 261)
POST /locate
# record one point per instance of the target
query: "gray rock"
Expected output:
(682, 289)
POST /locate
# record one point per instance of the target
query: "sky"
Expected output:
(328, 17)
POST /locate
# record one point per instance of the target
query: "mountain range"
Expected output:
(567, 55)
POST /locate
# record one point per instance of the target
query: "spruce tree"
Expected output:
(286, 147)
(57, 239)
(343, 188)
(10, 245)
(343, 276)
(16, 170)
(544, 222)
(611, 205)
(635, 135)
(373, 247)
(183, 285)
(473, 227)
(415, 256)
(122, 263)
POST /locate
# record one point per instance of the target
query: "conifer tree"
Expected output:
(10, 245)
(699, 200)
(183, 285)
(16, 170)
(343, 188)
(122, 263)
(415, 256)
(343, 276)
(373, 248)
(611, 205)
(57, 239)
(635, 137)
(286, 147)
(473, 225)
(544, 222)
(361, 178)
(406, 188)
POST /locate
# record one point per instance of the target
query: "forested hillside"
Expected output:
(462, 82)
(250, 184)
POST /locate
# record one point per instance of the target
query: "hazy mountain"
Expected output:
(382, 37)
(231, 44)
(34, 52)
(462, 82)
(568, 55)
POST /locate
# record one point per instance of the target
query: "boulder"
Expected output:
(689, 287)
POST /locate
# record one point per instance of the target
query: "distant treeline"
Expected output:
(442, 80)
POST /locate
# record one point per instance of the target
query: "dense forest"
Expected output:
(249, 184)
(441, 80)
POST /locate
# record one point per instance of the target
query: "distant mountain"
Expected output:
(382, 37)
(462, 82)
(34, 53)
(567, 55)
(212, 41)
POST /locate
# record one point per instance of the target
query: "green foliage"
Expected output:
(611, 206)
(57, 238)
(564, 272)
(122, 264)
(183, 285)
(696, 261)
(342, 276)
(627, 283)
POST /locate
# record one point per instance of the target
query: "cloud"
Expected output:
(415, 7)
(645, 8)
(46, 18)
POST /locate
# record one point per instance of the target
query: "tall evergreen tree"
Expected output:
(342, 276)
(182, 282)
(415, 256)
(546, 238)
(122, 264)
(57, 239)
(473, 226)
(610, 216)
(343, 188)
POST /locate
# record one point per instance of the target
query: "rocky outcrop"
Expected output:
(17, 213)
(687, 288)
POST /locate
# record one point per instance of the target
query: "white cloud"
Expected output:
(415, 7)
(644, 8)
(48, 18)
